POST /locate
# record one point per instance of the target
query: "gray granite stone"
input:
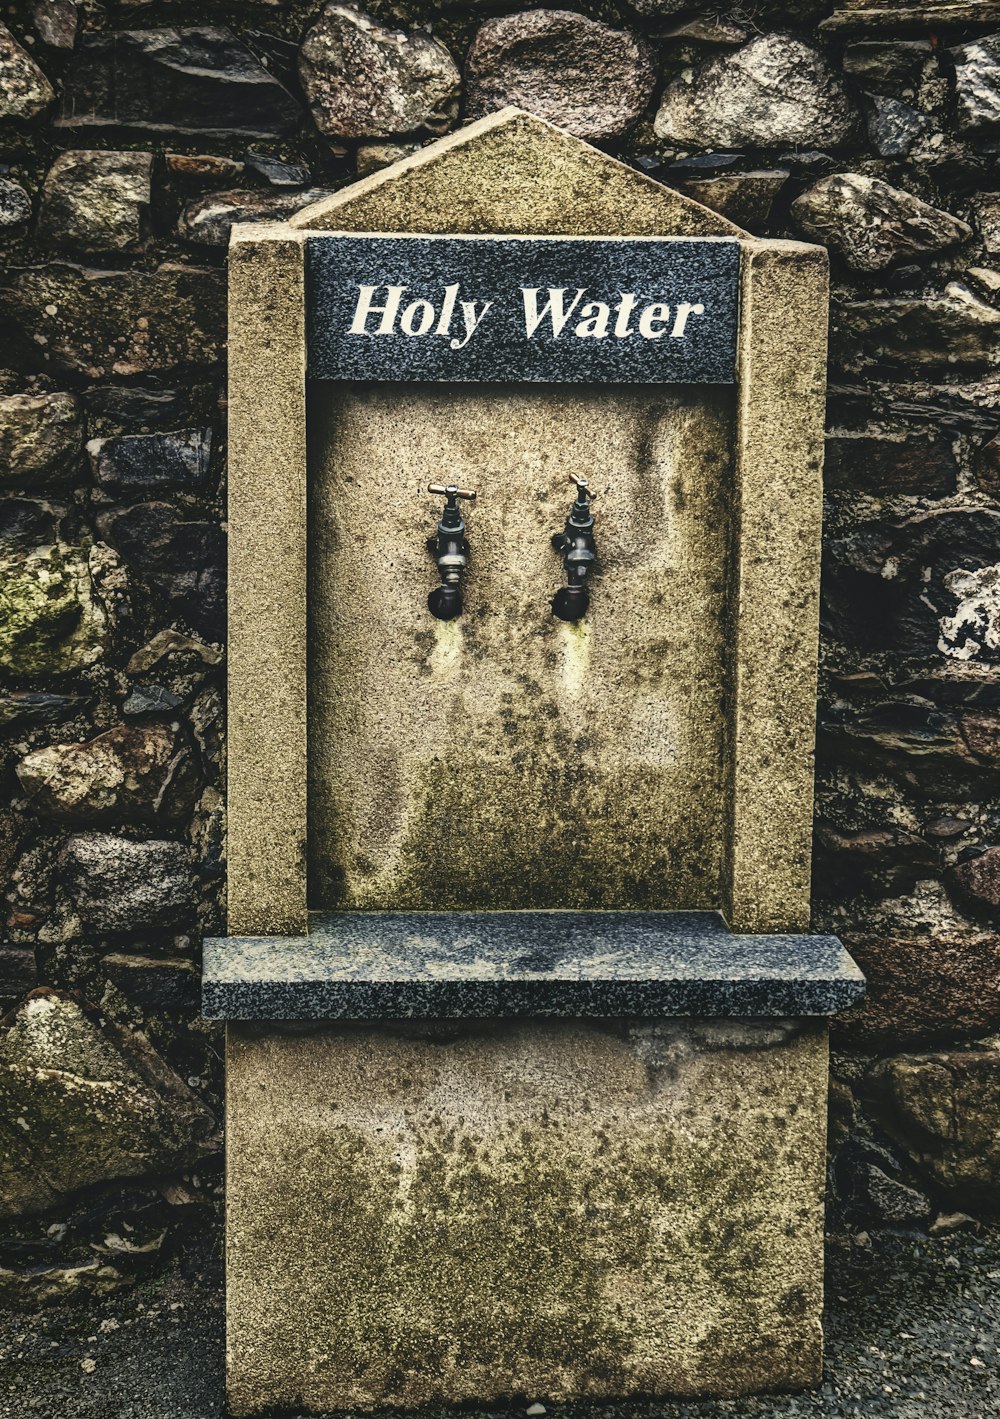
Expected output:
(488, 308)
(453, 965)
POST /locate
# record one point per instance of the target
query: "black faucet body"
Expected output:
(576, 546)
(451, 552)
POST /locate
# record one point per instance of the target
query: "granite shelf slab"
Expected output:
(454, 965)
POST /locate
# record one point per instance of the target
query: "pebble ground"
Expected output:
(913, 1332)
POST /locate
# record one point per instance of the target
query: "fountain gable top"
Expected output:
(513, 173)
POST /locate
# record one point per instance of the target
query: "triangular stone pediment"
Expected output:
(509, 173)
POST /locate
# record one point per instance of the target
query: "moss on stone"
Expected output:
(111, 323)
(50, 621)
(552, 1209)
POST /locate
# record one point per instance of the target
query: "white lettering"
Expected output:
(447, 310)
(624, 309)
(379, 311)
(424, 320)
(680, 324)
(365, 308)
(595, 323)
(553, 308)
(654, 312)
(472, 322)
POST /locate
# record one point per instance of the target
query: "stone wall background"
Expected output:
(131, 136)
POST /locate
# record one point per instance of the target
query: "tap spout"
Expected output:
(576, 546)
(450, 550)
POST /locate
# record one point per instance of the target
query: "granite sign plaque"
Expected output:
(638, 310)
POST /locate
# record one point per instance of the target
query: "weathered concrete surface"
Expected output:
(513, 173)
(778, 500)
(631, 699)
(509, 759)
(267, 584)
(559, 1211)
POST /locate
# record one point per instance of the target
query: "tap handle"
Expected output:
(451, 492)
(450, 550)
(575, 544)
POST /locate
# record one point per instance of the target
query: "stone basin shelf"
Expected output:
(450, 965)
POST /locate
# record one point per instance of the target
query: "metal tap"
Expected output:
(451, 552)
(576, 545)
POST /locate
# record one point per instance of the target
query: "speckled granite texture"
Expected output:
(451, 308)
(451, 965)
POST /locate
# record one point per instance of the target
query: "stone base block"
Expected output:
(539, 1209)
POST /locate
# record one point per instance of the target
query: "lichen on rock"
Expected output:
(365, 81)
(83, 1102)
(50, 620)
(776, 91)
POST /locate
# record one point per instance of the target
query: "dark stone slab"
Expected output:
(643, 310)
(24, 524)
(27, 709)
(200, 81)
(136, 464)
(183, 560)
(454, 965)
(18, 971)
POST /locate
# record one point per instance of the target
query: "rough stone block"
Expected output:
(578, 73)
(97, 201)
(193, 81)
(558, 1209)
(363, 80)
(150, 463)
(777, 91)
(40, 438)
(92, 1103)
(25, 92)
(120, 885)
(878, 15)
(885, 465)
(109, 324)
(944, 1108)
(129, 774)
(923, 989)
